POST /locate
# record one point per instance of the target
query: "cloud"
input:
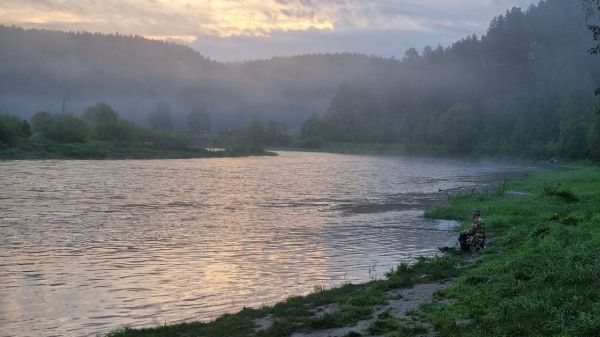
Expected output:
(268, 27)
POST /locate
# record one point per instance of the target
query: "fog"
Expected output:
(40, 68)
(531, 70)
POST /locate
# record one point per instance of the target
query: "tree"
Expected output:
(592, 10)
(40, 122)
(411, 56)
(100, 113)
(312, 127)
(573, 141)
(12, 129)
(459, 129)
(161, 119)
(198, 121)
(593, 137)
(60, 127)
(255, 132)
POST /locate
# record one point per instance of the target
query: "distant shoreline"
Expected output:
(108, 151)
(397, 149)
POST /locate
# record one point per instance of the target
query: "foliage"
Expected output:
(105, 124)
(198, 121)
(100, 113)
(539, 277)
(523, 88)
(383, 324)
(458, 129)
(60, 127)
(592, 9)
(161, 118)
(256, 133)
(558, 191)
(120, 131)
(12, 129)
(99, 134)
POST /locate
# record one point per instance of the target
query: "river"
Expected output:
(89, 246)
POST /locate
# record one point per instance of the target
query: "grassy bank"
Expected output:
(539, 276)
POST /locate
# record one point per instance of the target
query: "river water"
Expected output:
(89, 246)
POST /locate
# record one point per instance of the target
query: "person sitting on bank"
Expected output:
(474, 236)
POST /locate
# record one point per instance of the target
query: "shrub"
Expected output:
(12, 129)
(115, 132)
(61, 127)
(100, 113)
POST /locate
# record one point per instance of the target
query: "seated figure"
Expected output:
(474, 236)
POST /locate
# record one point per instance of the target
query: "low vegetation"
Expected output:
(538, 276)
(100, 133)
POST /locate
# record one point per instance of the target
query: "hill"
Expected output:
(39, 68)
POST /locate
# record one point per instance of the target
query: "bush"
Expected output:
(114, 132)
(100, 113)
(60, 127)
(12, 129)
(165, 140)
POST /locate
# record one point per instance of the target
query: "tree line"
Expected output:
(100, 123)
(525, 88)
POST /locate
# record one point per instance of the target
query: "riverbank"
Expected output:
(538, 276)
(365, 148)
(42, 149)
(396, 149)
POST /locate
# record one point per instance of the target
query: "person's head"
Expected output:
(476, 214)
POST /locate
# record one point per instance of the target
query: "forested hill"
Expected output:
(525, 87)
(39, 68)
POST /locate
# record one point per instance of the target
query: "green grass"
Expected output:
(539, 277)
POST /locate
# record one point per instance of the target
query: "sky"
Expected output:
(237, 30)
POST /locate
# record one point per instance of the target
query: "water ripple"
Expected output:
(88, 246)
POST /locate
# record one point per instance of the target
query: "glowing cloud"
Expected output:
(221, 22)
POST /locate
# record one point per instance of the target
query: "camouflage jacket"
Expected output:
(477, 230)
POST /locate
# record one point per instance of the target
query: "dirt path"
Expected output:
(403, 301)
(400, 304)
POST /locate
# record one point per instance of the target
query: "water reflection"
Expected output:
(87, 246)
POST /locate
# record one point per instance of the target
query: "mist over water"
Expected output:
(89, 246)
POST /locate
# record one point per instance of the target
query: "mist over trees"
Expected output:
(161, 118)
(39, 68)
(198, 121)
(522, 88)
(525, 87)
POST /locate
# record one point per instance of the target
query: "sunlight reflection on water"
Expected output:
(88, 246)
